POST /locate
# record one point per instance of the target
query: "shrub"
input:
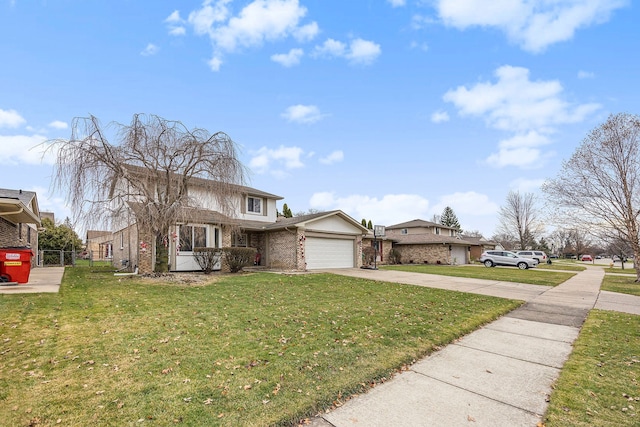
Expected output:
(236, 258)
(368, 254)
(394, 256)
(207, 258)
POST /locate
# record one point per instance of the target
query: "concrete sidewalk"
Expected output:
(499, 375)
(41, 279)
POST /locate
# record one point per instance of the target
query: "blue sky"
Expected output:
(389, 110)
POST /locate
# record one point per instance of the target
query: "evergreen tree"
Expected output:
(363, 222)
(370, 225)
(286, 212)
(450, 219)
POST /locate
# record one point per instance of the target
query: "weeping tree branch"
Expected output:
(153, 171)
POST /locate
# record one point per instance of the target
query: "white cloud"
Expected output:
(215, 63)
(526, 185)
(359, 51)
(303, 114)
(439, 117)
(26, 149)
(419, 45)
(532, 24)
(57, 124)
(11, 119)
(288, 59)
(516, 103)
(585, 75)
(150, 50)
(468, 203)
(176, 24)
(389, 210)
(334, 157)
(268, 160)
(397, 3)
(363, 51)
(258, 22)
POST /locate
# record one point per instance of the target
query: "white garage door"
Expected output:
(329, 253)
(458, 255)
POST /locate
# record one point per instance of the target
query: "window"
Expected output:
(121, 240)
(254, 205)
(404, 231)
(438, 230)
(239, 240)
(28, 234)
(192, 236)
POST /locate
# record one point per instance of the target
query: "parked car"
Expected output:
(586, 258)
(493, 258)
(538, 255)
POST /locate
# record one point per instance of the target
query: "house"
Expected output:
(479, 245)
(19, 220)
(322, 240)
(420, 241)
(99, 245)
(380, 246)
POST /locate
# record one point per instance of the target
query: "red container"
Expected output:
(15, 264)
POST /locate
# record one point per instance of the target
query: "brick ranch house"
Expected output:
(322, 240)
(425, 242)
(19, 220)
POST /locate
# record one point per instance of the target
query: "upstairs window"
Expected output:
(254, 205)
(404, 231)
(437, 230)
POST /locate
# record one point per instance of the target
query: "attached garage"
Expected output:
(458, 255)
(324, 252)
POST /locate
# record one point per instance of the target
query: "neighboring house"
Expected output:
(99, 245)
(19, 220)
(322, 240)
(425, 242)
(479, 245)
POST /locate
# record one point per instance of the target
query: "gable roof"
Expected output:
(19, 206)
(203, 182)
(418, 223)
(299, 221)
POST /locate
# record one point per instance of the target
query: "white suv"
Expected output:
(538, 255)
(493, 258)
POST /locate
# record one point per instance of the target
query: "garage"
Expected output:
(329, 253)
(458, 255)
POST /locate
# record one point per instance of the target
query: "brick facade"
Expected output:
(283, 250)
(424, 254)
(19, 235)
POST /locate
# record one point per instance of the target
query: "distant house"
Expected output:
(19, 220)
(425, 242)
(479, 245)
(99, 245)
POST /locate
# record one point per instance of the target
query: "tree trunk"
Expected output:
(162, 254)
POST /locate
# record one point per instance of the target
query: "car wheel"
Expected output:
(488, 263)
(522, 265)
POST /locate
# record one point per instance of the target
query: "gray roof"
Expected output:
(25, 201)
(296, 221)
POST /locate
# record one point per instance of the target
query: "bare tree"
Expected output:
(599, 186)
(147, 174)
(519, 219)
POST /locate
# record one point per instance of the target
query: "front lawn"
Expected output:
(624, 284)
(252, 349)
(600, 383)
(507, 274)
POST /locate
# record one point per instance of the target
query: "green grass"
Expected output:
(531, 276)
(624, 284)
(600, 383)
(618, 270)
(243, 350)
(89, 263)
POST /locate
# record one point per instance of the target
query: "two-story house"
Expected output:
(322, 240)
(420, 241)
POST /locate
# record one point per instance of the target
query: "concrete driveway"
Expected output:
(41, 279)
